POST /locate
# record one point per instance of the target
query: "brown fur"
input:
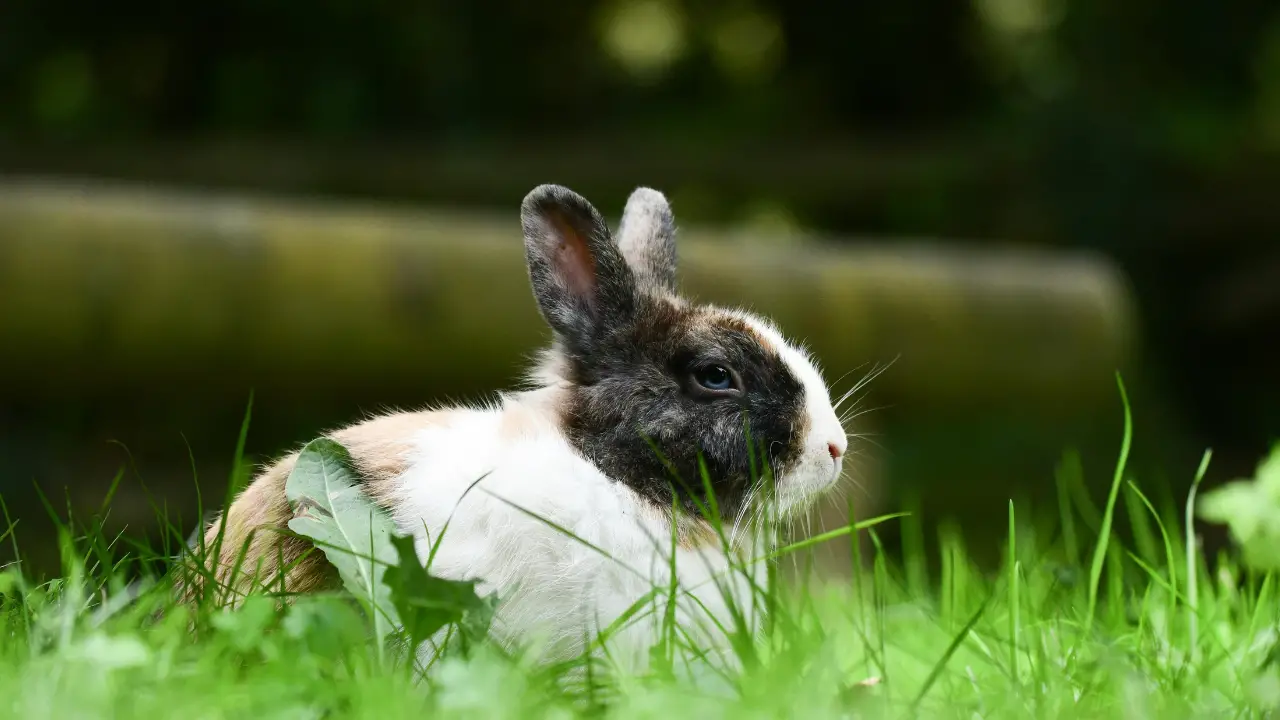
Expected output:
(523, 418)
(252, 543)
(517, 422)
(380, 447)
(254, 551)
(721, 319)
(694, 533)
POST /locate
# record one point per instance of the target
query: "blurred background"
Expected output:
(1005, 201)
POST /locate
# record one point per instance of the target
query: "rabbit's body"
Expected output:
(634, 369)
(556, 585)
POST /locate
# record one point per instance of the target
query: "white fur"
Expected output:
(556, 589)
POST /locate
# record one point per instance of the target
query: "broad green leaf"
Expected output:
(427, 603)
(354, 534)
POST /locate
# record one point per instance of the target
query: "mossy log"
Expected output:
(103, 286)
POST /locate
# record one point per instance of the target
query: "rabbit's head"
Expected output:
(652, 382)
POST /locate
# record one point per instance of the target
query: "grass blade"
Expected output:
(1193, 582)
(946, 656)
(1104, 535)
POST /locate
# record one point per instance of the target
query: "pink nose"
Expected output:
(835, 451)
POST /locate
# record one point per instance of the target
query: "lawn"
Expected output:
(1075, 624)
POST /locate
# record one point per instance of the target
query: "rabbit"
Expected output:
(604, 440)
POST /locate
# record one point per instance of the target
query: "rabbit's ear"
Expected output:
(647, 237)
(580, 278)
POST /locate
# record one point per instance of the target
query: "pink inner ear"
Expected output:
(574, 262)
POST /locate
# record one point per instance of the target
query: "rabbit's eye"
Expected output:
(714, 377)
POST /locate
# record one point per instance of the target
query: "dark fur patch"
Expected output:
(634, 382)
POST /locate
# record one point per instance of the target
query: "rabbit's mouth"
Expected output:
(801, 486)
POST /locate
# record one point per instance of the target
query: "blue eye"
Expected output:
(714, 377)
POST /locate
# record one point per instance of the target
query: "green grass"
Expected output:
(1075, 624)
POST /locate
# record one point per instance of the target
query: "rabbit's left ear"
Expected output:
(583, 285)
(647, 237)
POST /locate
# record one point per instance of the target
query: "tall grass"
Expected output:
(1071, 625)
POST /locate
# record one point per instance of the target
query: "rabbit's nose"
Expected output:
(835, 450)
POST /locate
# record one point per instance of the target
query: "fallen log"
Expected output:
(108, 286)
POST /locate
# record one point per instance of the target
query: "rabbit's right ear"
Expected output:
(581, 280)
(647, 236)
